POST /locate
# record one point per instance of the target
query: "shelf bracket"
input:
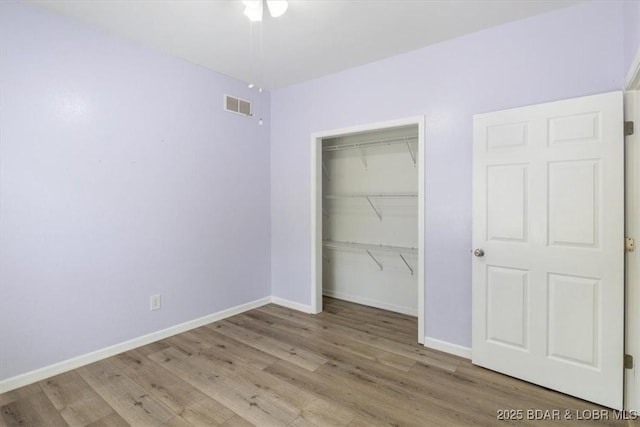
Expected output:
(413, 156)
(364, 158)
(375, 260)
(326, 172)
(407, 264)
(374, 208)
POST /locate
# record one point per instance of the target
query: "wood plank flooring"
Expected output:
(348, 366)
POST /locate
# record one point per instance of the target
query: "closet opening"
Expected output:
(367, 217)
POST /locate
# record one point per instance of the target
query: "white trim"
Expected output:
(292, 305)
(632, 267)
(316, 208)
(316, 226)
(633, 75)
(421, 222)
(447, 347)
(85, 359)
(373, 303)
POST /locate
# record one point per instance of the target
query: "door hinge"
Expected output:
(628, 128)
(629, 244)
(628, 361)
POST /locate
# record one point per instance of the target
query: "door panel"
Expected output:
(548, 213)
(506, 136)
(574, 128)
(573, 203)
(507, 202)
(507, 306)
(573, 334)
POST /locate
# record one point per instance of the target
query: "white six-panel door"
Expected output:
(548, 213)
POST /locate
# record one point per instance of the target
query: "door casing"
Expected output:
(632, 259)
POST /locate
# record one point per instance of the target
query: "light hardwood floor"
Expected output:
(348, 366)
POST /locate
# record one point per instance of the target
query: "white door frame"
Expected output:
(632, 229)
(316, 208)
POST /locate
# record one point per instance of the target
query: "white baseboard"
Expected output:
(292, 305)
(447, 347)
(85, 359)
(372, 303)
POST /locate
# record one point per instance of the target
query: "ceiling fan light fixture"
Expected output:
(277, 7)
(253, 10)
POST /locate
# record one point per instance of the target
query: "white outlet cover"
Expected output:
(156, 302)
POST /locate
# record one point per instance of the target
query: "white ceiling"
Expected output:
(314, 37)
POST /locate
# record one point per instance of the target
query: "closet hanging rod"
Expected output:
(334, 244)
(356, 145)
(366, 195)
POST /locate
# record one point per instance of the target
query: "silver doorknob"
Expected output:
(479, 253)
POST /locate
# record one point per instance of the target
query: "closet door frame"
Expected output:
(316, 207)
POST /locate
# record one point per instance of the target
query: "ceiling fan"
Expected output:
(254, 8)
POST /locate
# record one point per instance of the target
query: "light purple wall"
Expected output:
(121, 177)
(568, 53)
(631, 33)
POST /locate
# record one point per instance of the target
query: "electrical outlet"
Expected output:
(156, 302)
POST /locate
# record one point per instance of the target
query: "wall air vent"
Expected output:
(237, 105)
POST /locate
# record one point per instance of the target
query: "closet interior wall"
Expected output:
(370, 218)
